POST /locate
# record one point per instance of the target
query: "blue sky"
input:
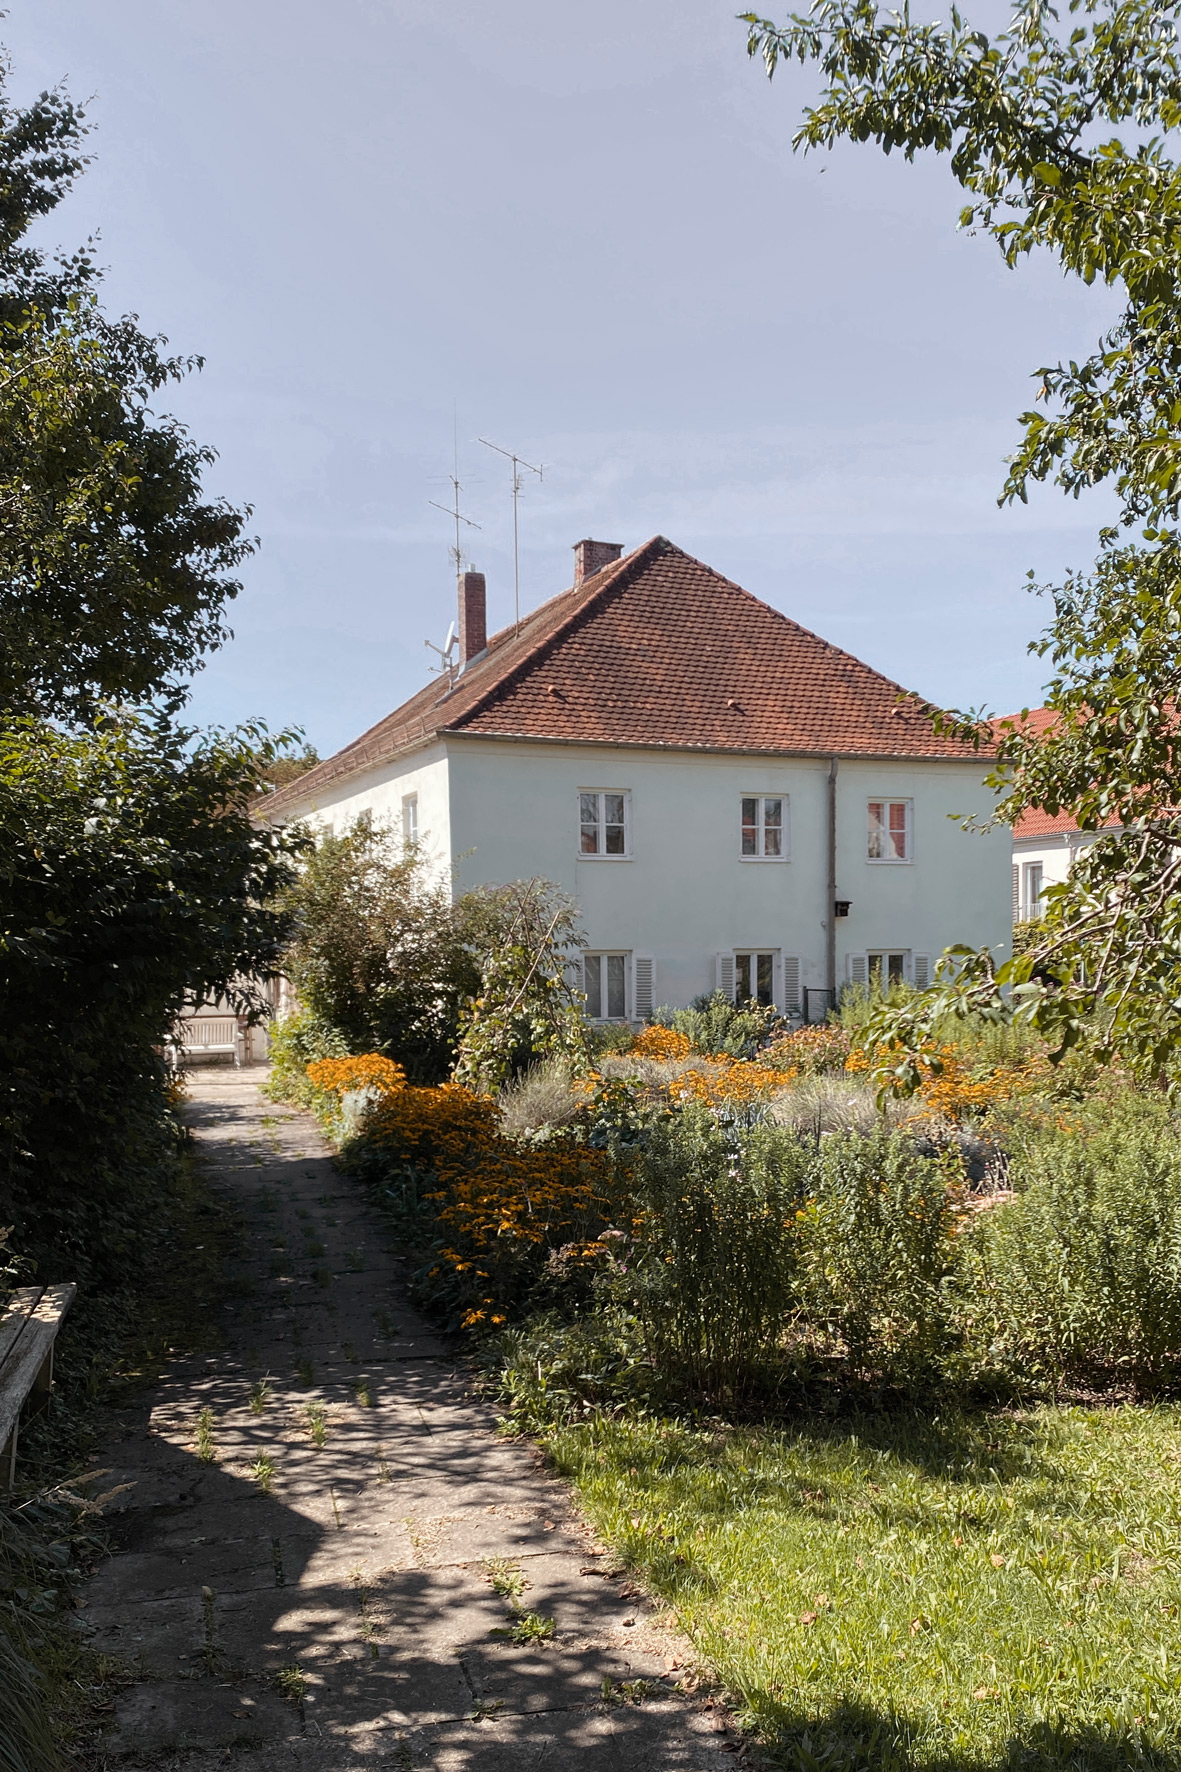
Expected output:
(584, 231)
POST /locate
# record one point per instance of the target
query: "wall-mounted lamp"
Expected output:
(841, 907)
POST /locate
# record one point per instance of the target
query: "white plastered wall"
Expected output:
(380, 792)
(685, 893)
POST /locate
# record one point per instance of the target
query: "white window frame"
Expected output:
(410, 820)
(1028, 908)
(601, 824)
(624, 955)
(888, 802)
(761, 828)
(916, 967)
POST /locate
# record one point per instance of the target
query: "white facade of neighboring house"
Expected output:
(731, 801)
(1045, 845)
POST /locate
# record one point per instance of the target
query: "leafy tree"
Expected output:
(115, 567)
(277, 769)
(131, 875)
(378, 951)
(1026, 120)
(526, 1007)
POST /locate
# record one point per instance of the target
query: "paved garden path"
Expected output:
(347, 1616)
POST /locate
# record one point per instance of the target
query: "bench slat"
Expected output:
(33, 1316)
(20, 1371)
(16, 1317)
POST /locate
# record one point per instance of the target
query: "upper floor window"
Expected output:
(891, 830)
(410, 820)
(603, 820)
(764, 826)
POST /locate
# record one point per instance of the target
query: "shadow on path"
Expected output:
(303, 1551)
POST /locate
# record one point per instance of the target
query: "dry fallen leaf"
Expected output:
(809, 1617)
(917, 1624)
(997, 1561)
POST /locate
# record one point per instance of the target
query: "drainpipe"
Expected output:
(830, 926)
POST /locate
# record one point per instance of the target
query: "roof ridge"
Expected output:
(613, 575)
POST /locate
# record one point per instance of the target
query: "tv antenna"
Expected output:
(452, 510)
(518, 463)
(445, 651)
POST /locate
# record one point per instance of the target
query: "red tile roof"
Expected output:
(657, 649)
(1034, 822)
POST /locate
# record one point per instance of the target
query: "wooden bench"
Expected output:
(28, 1330)
(201, 1036)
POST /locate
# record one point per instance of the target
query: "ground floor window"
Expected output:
(883, 967)
(604, 980)
(754, 978)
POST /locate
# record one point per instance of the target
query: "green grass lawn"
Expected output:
(987, 1591)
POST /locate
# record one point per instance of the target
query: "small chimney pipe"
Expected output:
(591, 556)
(473, 617)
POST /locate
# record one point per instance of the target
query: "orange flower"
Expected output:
(337, 1076)
(660, 1043)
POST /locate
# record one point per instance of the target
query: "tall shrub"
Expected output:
(1081, 1271)
(378, 953)
(718, 1253)
(131, 876)
(526, 1007)
(878, 1253)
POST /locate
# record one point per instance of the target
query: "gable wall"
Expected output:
(380, 792)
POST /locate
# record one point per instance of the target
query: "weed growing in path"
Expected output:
(292, 1683)
(306, 1370)
(505, 1577)
(259, 1394)
(363, 1395)
(531, 1627)
(317, 1423)
(206, 1449)
(263, 1472)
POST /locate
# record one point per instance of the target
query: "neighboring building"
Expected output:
(732, 801)
(1045, 845)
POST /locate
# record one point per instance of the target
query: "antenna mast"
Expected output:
(453, 511)
(518, 463)
(456, 552)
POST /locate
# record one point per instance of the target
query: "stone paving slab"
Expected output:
(314, 1592)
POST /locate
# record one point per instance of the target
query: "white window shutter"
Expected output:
(725, 974)
(858, 966)
(920, 971)
(791, 981)
(643, 986)
(1016, 892)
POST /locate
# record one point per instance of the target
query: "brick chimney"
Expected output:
(473, 617)
(592, 556)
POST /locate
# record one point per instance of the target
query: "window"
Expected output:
(764, 826)
(603, 820)
(886, 969)
(889, 966)
(604, 980)
(410, 820)
(754, 977)
(1027, 905)
(891, 830)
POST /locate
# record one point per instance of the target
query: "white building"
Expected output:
(731, 800)
(1045, 845)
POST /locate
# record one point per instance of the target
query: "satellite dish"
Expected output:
(450, 641)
